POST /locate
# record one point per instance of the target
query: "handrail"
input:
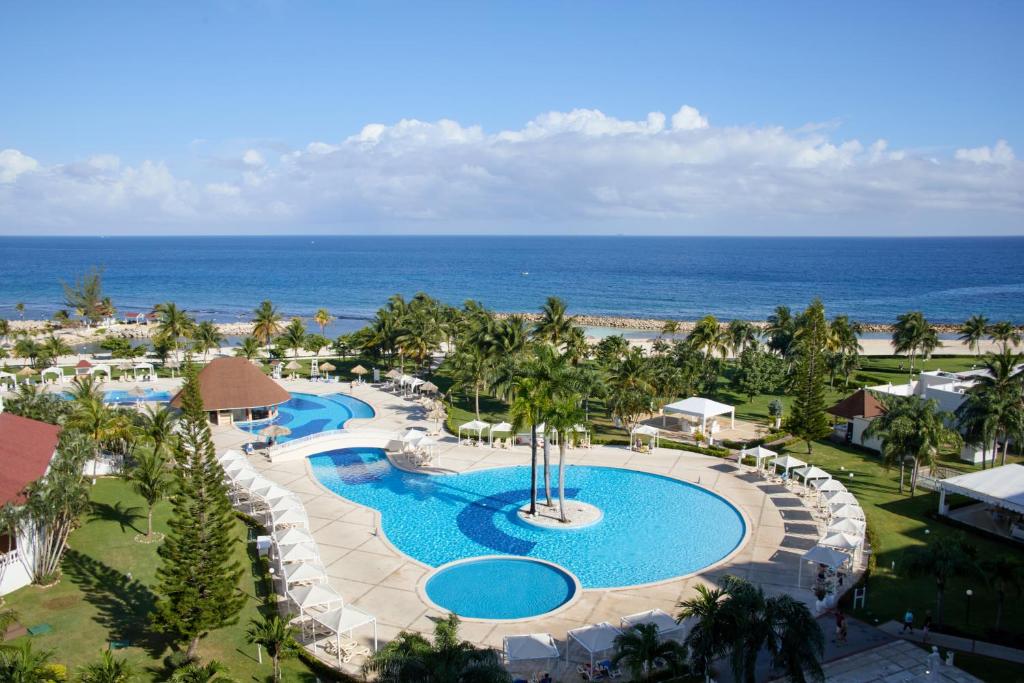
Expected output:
(319, 436)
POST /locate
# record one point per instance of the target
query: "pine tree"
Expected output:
(807, 418)
(197, 580)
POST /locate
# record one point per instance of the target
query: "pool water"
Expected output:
(306, 414)
(654, 527)
(504, 588)
(122, 397)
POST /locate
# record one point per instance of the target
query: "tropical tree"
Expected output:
(322, 318)
(22, 664)
(555, 324)
(472, 367)
(740, 335)
(913, 335)
(757, 372)
(912, 427)
(211, 672)
(670, 328)
(946, 557)
(528, 408)
(53, 347)
(780, 330)
(411, 657)
(20, 308)
(28, 348)
(108, 669)
(1004, 574)
(266, 324)
(85, 296)
(807, 418)
(630, 388)
(172, 324)
(94, 418)
(973, 331)
(706, 640)
(993, 408)
(5, 329)
(32, 402)
(197, 577)
(641, 646)
(708, 338)
(158, 423)
(294, 336)
(249, 349)
(275, 635)
(1005, 334)
(151, 480)
(206, 336)
(563, 417)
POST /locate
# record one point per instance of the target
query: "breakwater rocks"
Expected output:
(83, 335)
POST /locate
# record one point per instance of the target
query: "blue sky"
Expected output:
(143, 113)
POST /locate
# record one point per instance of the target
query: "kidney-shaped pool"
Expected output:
(654, 527)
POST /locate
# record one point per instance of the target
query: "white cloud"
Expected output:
(563, 171)
(1000, 153)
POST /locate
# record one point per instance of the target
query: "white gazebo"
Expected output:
(702, 410)
(811, 472)
(650, 432)
(300, 552)
(147, 369)
(1002, 487)
(663, 620)
(304, 572)
(854, 527)
(826, 485)
(500, 428)
(758, 453)
(594, 639)
(52, 371)
(97, 369)
(819, 554)
(531, 647)
(346, 619)
(840, 498)
(477, 426)
(314, 599)
(847, 511)
(787, 462)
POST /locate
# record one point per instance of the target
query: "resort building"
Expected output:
(26, 449)
(235, 390)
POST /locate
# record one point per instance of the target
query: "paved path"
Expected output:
(956, 643)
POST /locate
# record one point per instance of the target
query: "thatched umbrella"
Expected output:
(293, 366)
(274, 431)
(138, 392)
(429, 387)
(327, 367)
(26, 372)
(393, 373)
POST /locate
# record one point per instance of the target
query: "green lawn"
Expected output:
(106, 593)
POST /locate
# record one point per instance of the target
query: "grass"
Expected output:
(105, 595)
(988, 668)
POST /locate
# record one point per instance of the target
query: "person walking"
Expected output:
(908, 621)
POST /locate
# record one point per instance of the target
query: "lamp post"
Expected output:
(969, 594)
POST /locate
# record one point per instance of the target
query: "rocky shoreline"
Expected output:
(85, 335)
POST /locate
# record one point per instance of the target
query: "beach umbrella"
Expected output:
(26, 372)
(393, 373)
(413, 435)
(327, 367)
(359, 370)
(429, 387)
(293, 365)
(274, 431)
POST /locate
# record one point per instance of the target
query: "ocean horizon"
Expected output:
(223, 278)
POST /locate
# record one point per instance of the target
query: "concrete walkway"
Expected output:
(956, 643)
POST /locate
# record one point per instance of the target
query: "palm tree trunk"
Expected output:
(903, 468)
(193, 645)
(913, 479)
(533, 470)
(561, 480)
(476, 400)
(149, 523)
(547, 472)
(277, 668)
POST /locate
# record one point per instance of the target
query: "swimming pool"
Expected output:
(306, 414)
(503, 588)
(654, 527)
(122, 397)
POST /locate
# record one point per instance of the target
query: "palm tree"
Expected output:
(912, 427)
(555, 324)
(266, 323)
(206, 336)
(151, 480)
(20, 308)
(294, 336)
(28, 348)
(158, 424)
(53, 347)
(249, 349)
(670, 328)
(412, 658)
(529, 407)
(94, 419)
(781, 330)
(564, 415)
(109, 669)
(946, 557)
(630, 388)
(706, 641)
(322, 318)
(993, 409)
(708, 338)
(201, 673)
(276, 635)
(913, 334)
(641, 646)
(1005, 334)
(472, 367)
(22, 664)
(973, 331)
(173, 324)
(739, 335)
(1003, 573)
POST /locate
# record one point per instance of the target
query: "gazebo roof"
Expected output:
(597, 637)
(861, 403)
(646, 430)
(698, 407)
(83, 364)
(530, 646)
(231, 383)
(1000, 486)
(827, 556)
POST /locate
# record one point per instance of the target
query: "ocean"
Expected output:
(224, 278)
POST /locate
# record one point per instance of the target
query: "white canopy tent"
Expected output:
(826, 485)
(660, 618)
(787, 462)
(300, 552)
(270, 491)
(854, 527)
(346, 619)
(840, 498)
(291, 518)
(758, 453)
(531, 647)
(701, 409)
(646, 430)
(847, 511)
(477, 426)
(1000, 486)
(148, 371)
(500, 428)
(52, 371)
(307, 571)
(292, 536)
(594, 639)
(819, 554)
(811, 472)
(316, 597)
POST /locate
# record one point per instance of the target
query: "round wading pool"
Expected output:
(501, 588)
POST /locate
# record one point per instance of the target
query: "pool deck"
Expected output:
(374, 576)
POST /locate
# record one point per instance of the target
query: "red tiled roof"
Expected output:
(84, 364)
(26, 448)
(859, 404)
(228, 383)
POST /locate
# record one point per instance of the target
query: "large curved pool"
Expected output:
(654, 527)
(306, 414)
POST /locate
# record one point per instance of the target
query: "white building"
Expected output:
(26, 449)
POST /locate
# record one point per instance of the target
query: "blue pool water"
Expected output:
(653, 528)
(307, 414)
(122, 397)
(504, 588)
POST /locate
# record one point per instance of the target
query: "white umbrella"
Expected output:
(413, 435)
(270, 491)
